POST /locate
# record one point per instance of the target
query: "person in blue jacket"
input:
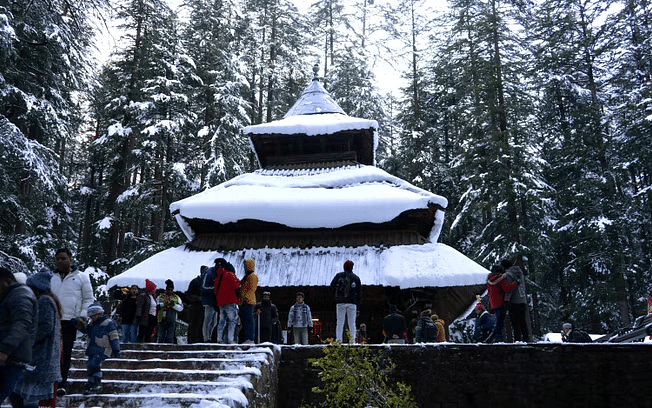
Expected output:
(103, 342)
(484, 325)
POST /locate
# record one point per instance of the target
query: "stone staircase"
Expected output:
(168, 375)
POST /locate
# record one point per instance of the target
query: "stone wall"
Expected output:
(492, 376)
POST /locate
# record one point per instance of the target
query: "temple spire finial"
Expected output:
(315, 70)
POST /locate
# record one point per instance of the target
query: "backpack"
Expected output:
(344, 287)
(428, 330)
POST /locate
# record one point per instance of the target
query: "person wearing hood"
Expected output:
(38, 384)
(497, 286)
(248, 285)
(18, 319)
(347, 298)
(75, 293)
(516, 301)
(146, 312)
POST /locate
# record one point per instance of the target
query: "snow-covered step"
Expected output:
(167, 375)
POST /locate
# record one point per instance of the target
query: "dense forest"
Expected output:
(533, 119)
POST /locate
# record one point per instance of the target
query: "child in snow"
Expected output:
(103, 342)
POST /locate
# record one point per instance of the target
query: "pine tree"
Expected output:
(43, 68)
(139, 149)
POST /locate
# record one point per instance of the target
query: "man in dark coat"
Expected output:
(347, 297)
(267, 319)
(211, 311)
(394, 327)
(146, 312)
(196, 309)
(18, 321)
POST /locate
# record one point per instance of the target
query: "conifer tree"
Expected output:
(44, 67)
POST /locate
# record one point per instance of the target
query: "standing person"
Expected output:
(169, 306)
(38, 384)
(426, 331)
(300, 319)
(208, 299)
(103, 342)
(18, 318)
(516, 301)
(484, 324)
(146, 312)
(347, 297)
(226, 293)
(127, 311)
(248, 285)
(441, 328)
(267, 317)
(193, 299)
(497, 286)
(75, 293)
(394, 327)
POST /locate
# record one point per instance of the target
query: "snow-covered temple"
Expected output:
(318, 200)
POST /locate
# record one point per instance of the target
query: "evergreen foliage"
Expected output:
(351, 376)
(532, 119)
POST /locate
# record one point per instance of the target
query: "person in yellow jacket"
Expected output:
(248, 286)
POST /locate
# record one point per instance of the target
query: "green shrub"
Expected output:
(352, 377)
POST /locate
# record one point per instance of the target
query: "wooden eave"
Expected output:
(280, 149)
(411, 227)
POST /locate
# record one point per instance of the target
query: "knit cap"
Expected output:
(94, 309)
(40, 281)
(348, 265)
(249, 264)
(149, 285)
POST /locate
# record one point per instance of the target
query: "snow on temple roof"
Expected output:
(405, 266)
(314, 100)
(330, 198)
(312, 125)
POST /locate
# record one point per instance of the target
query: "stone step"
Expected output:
(234, 400)
(166, 375)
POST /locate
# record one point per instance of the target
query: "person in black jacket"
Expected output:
(569, 334)
(18, 321)
(267, 313)
(127, 311)
(394, 327)
(347, 297)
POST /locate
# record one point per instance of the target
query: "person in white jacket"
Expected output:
(75, 293)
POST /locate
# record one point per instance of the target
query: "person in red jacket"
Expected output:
(226, 296)
(497, 286)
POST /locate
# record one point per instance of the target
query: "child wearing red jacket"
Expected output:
(497, 286)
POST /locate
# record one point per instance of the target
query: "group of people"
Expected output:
(507, 296)
(39, 320)
(428, 328)
(225, 299)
